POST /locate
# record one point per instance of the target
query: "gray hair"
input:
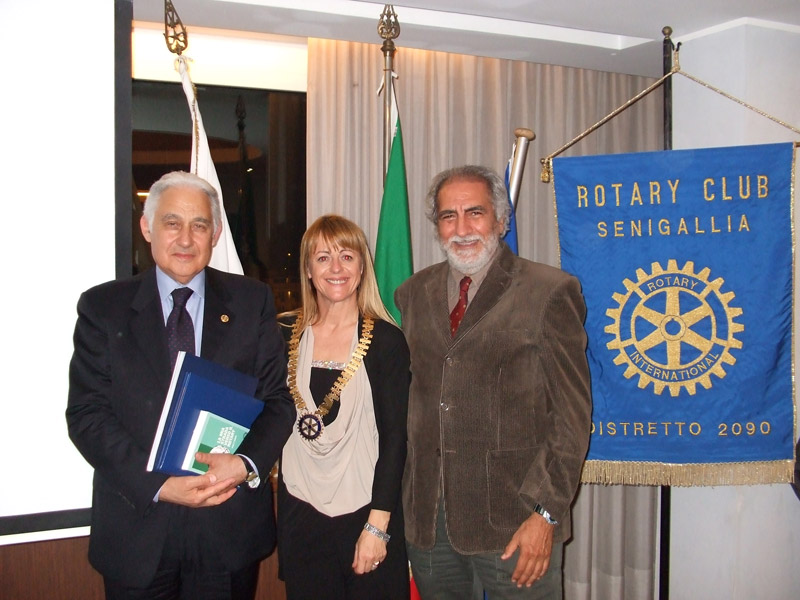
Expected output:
(494, 183)
(182, 179)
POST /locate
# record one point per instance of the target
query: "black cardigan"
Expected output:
(387, 363)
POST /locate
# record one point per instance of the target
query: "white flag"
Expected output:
(224, 256)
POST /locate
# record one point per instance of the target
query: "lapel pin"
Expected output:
(224, 318)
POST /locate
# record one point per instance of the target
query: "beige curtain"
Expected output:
(458, 109)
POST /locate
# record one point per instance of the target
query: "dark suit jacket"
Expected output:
(502, 413)
(119, 376)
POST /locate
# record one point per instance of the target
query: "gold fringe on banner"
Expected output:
(684, 475)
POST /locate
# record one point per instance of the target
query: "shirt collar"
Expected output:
(166, 284)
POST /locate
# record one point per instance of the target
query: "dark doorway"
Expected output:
(257, 140)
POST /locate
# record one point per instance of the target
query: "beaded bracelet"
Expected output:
(382, 535)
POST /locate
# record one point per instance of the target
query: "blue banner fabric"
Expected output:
(686, 263)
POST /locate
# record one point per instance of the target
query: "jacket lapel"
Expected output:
(218, 316)
(147, 326)
(498, 280)
(436, 298)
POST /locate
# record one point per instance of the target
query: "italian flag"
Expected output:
(393, 264)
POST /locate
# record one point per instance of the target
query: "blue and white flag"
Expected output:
(510, 236)
(686, 263)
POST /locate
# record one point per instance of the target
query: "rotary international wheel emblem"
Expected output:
(310, 426)
(674, 328)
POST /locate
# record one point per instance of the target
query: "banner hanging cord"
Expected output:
(547, 161)
(182, 67)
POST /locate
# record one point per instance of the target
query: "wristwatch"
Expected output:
(540, 509)
(251, 479)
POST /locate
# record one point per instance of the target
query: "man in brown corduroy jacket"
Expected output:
(499, 405)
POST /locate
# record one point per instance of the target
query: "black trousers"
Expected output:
(315, 554)
(190, 569)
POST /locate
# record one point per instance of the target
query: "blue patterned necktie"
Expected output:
(180, 330)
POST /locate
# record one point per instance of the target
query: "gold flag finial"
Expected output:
(174, 32)
(388, 26)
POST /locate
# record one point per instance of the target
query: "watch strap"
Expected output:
(251, 479)
(540, 509)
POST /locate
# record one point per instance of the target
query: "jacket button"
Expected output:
(444, 406)
(449, 361)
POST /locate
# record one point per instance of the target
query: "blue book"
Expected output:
(199, 385)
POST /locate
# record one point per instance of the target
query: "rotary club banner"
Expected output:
(686, 263)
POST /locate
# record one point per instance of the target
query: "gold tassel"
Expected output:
(685, 475)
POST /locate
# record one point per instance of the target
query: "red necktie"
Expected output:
(461, 306)
(180, 329)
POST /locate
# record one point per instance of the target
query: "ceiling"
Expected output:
(622, 36)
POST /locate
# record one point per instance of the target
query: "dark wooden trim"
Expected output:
(49, 570)
(60, 570)
(49, 521)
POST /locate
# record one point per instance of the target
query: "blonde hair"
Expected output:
(339, 233)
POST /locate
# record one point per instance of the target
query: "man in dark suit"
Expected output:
(155, 536)
(499, 407)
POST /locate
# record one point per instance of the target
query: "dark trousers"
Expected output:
(190, 569)
(181, 581)
(316, 553)
(441, 573)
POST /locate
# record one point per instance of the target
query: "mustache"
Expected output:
(466, 239)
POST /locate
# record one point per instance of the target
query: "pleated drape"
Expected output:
(458, 109)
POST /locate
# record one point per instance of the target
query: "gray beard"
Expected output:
(473, 264)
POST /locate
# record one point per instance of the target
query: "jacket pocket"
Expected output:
(506, 470)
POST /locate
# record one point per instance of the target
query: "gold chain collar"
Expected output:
(336, 390)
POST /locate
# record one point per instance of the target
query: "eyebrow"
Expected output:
(336, 250)
(450, 211)
(177, 217)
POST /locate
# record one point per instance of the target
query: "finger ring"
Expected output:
(375, 565)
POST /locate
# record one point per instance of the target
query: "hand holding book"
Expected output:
(200, 386)
(198, 491)
(229, 466)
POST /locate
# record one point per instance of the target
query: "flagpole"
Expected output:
(389, 30)
(393, 260)
(224, 255)
(524, 137)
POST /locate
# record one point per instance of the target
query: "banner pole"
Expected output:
(667, 48)
(665, 505)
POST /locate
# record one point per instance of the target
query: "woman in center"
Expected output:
(340, 520)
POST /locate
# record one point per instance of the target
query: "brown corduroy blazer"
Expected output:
(501, 414)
